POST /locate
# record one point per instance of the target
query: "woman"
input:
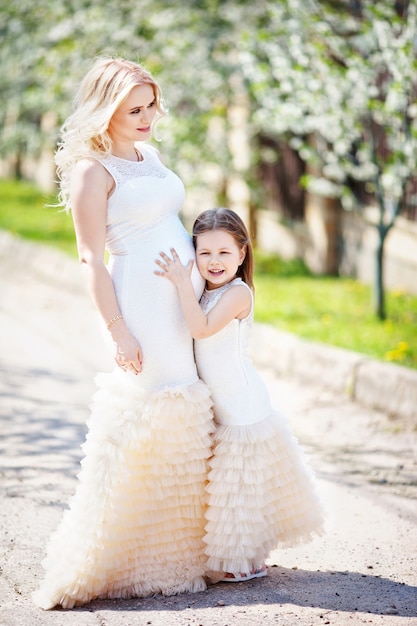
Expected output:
(136, 522)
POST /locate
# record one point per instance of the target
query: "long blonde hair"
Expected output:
(226, 219)
(85, 132)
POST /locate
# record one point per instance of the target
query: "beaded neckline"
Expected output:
(124, 169)
(141, 160)
(210, 295)
(235, 280)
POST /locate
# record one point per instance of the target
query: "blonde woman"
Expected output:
(136, 522)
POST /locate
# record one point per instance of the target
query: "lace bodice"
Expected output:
(210, 297)
(146, 193)
(123, 170)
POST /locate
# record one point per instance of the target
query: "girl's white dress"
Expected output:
(261, 492)
(135, 525)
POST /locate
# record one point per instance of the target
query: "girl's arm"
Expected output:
(89, 189)
(234, 303)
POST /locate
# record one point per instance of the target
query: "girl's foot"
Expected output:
(243, 576)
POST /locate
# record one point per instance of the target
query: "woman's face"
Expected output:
(132, 120)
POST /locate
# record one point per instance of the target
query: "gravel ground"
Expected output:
(363, 571)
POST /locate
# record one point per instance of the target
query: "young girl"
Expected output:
(260, 491)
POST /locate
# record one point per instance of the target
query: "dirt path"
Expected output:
(362, 572)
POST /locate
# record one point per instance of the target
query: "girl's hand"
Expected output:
(173, 269)
(128, 353)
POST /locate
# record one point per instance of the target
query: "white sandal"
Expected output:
(242, 577)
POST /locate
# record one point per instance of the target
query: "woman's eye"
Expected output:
(149, 106)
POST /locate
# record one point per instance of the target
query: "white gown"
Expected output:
(261, 491)
(136, 522)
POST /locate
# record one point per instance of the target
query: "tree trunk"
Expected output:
(322, 216)
(379, 293)
(253, 224)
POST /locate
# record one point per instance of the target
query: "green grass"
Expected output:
(336, 311)
(25, 211)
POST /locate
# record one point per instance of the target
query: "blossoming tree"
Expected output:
(341, 83)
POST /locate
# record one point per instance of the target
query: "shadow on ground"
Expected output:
(331, 591)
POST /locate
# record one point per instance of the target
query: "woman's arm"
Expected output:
(89, 190)
(235, 302)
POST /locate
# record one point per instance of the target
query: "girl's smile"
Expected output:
(218, 257)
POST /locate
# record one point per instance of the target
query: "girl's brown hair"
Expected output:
(229, 221)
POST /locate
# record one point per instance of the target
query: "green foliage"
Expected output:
(47, 48)
(335, 79)
(341, 84)
(270, 264)
(302, 68)
(329, 310)
(26, 212)
(343, 87)
(336, 311)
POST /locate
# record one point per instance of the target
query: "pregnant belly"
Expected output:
(152, 310)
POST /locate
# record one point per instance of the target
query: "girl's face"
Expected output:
(218, 257)
(132, 120)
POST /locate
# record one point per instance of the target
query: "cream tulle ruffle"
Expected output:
(136, 522)
(261, 496)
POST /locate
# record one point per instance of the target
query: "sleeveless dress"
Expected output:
(135, 525)
(260, 492)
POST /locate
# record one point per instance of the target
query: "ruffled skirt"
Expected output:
(261, 496)
(135, 525)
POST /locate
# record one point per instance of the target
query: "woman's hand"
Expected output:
(173, 269)
(128, 353)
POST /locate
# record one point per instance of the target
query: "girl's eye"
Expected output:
(152, 104)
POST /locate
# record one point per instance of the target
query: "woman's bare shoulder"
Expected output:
(89, 166)
(89, 172)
